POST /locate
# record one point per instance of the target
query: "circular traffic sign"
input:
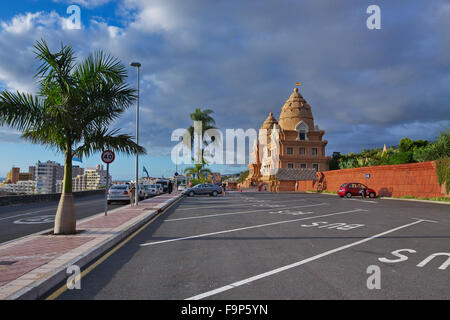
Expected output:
(108, 156)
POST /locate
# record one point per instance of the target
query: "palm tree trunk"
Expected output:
(65, 220)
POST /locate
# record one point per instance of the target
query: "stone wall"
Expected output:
(416, 179)
(17, 199)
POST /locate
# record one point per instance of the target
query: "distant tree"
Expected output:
(243, 176)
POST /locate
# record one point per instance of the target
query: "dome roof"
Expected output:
(270, 121)
(295, 109)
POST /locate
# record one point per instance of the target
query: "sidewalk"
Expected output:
(32, 265)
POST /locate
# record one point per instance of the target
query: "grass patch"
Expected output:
(445, 199)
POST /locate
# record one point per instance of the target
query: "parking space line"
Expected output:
(298, 263)
(240, 212)
(367, 201)
(234, 205)
(251, 227)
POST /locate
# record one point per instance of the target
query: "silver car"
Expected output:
(151, 190)
(119, 192)
(204, 188)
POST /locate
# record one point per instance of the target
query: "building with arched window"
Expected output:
(290, 147)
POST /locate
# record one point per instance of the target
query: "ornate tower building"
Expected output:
(292, 142)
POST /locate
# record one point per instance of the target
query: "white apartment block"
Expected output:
(28, 187)
(92, 179)
(47, 174)
(96, 177)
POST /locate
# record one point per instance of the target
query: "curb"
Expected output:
(415, 200)
(39, 288)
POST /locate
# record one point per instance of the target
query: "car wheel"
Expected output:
(348, 195)
(371, 195)
(214, 193)
(191, 194)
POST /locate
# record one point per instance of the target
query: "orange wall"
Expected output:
(417, 179)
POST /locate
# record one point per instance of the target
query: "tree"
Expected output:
(208, 122)
(198, 170)
(72, 113)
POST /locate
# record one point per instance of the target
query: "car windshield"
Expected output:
(344, 185)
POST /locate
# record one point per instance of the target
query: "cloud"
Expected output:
(242, 59)
(90, 4)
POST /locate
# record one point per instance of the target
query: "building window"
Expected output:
(290, 151)
(303, 165)
(290, 165)
(316, 166)
(302, 129)
(302, 151)
(314, 151)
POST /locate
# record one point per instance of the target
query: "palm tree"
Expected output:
(208, 122)
(72, 112)
(198, 170)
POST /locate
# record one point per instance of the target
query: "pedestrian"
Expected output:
(170, 187)
(223, 190)
(362, 191)
(132, 196)
(296, 186)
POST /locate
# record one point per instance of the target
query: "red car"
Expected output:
(353, 189)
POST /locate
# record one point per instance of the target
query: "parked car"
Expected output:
(118, 192)
(151, 189)
(354, 189)
(160, 188)
(182, 187)
(164, 183)
(142, 192)
(203, 188)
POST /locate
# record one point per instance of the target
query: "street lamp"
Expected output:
(136, 194)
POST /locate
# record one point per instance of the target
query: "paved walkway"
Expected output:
(28, 265)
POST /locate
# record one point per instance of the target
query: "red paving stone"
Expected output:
(35, 253)
(111, 221)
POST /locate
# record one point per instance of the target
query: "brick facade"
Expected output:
(416, 179)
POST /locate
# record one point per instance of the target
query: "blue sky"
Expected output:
(241, 59)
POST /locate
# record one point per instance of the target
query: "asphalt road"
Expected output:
(281, 246)
(20, 220)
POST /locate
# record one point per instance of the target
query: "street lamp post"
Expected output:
(136, 199)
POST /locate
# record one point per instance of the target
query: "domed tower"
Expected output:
(301, 140)
(294, 111)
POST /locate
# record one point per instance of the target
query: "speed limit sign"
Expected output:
(108, 156)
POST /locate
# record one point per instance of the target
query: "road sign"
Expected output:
(108, 156)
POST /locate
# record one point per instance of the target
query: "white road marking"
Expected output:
(24, 214)
(251, 227)
(240, 212)
(424, 220)
(368, 201)
(296, 264)
(230, 205)
(48, 209)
